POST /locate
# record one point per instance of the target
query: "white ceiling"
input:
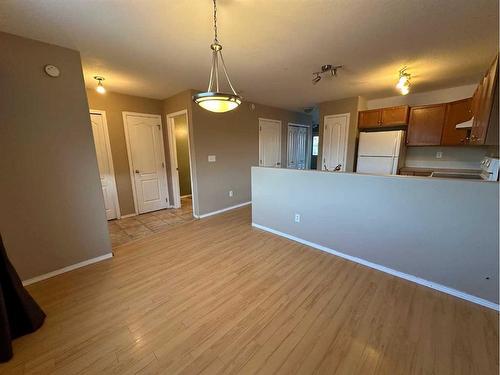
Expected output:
(157, 48)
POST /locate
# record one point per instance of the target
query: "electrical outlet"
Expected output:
(297, 218)
(439, 155)
(231, 193)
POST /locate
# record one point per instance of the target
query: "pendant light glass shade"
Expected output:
(213, 100)
(217, 102)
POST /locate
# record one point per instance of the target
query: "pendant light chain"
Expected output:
(213, 99)
(215, 22)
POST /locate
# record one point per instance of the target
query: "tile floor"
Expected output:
(132, 228)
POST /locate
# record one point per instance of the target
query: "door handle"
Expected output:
(137, 171)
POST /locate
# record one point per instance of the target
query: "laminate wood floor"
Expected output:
(216, 296)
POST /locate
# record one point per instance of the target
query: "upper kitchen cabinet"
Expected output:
(395, 116)
(456, 113)
(485, 107)
(426, 125)
(383, 117)
(369, 119)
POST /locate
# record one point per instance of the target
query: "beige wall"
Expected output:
(452, 157)
(348, 105)
(180, 102)
(52, 212)
(233, 137)
(182, 148)
(114, 104)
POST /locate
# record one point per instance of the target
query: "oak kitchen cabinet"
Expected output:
(426, 125)
(383, 117)
(456, 112)
(485, 125)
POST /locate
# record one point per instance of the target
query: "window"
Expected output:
(315, 145)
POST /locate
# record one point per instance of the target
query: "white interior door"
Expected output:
(335, 142)
(105, 164)
(269, 143)
(147, 161)
(297, 147)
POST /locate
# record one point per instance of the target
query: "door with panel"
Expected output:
(147, 161)
(335, 142)
(105, 164)
(297, 147)
(269, 143)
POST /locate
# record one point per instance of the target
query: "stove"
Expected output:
(488, 172)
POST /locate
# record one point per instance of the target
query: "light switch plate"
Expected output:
(439, 155)
(211, 158)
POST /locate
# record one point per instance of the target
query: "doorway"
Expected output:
(269, 143)
(180, 160)
(105, 163)
(146, 156)
(335, 135)
(297, 157)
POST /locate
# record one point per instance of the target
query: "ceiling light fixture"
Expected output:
(403, 84)
(213, 99)
(100, 88)
(328, 68)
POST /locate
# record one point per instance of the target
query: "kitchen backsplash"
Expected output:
(451, 157)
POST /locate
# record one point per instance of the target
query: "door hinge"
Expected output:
(163, 164)
(159, 127)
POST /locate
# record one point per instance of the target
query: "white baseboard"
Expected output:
(185, 196)
(129, 215)
(67, 269)
(415, 279)
(223, 210)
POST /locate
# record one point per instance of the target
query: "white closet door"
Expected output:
(269, 143)
(301, 147)
(335, 141)
(105, 164)
(147, 161)
(297, 142)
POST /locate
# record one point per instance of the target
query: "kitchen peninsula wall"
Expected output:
(394, 223)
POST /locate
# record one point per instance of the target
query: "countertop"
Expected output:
(430, 170)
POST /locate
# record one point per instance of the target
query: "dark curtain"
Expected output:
(19, 313)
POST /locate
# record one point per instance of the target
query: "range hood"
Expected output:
(465, 124)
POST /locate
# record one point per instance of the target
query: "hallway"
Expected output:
(132, 228)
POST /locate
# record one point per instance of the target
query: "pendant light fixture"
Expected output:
(100, 88)
(403, 84)
(213, 99)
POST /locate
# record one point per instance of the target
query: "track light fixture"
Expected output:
(325, 69)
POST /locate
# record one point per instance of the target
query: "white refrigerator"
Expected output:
(380, 152)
